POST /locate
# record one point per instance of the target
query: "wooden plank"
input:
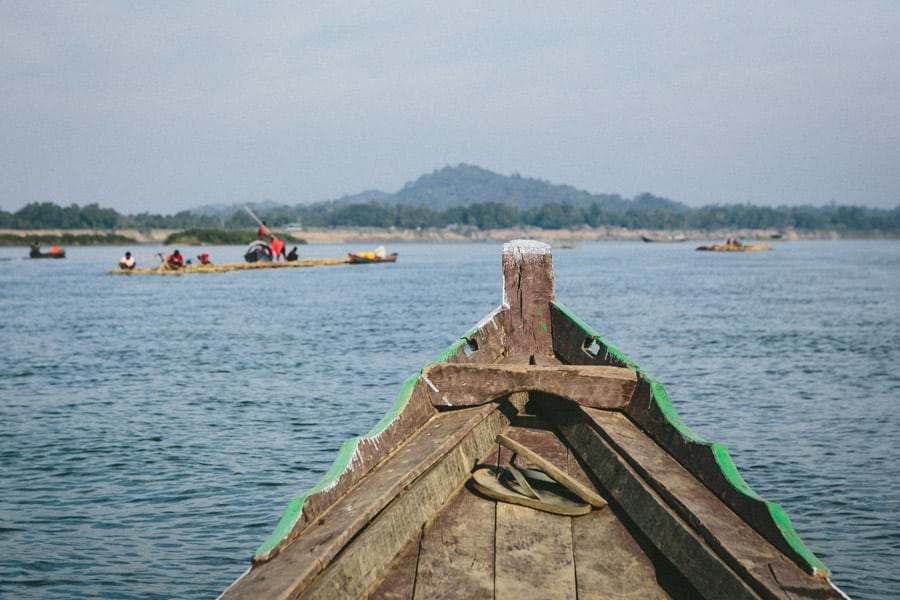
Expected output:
(745, 550)
(471, 384)
(360, 564)
(399, 580)
(609, 564)
(711, 464)
(459, 433)
(527, 292)
(456, 558)
(665, 529)
(534, 555)
(356, 459)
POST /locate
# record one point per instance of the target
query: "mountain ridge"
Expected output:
(464, 185)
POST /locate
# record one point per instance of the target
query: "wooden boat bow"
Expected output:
(396, 515)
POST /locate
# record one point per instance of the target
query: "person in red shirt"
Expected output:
(175, 260)
(263, 231)
(204, 258)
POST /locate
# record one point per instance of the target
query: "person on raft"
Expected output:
(292, 255)
(204, 258)
(175, 260)
(127, 262)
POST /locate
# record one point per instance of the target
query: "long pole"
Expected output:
(255, 218)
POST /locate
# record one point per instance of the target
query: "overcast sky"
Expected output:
(164, 106)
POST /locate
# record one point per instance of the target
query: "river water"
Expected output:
(153, 428)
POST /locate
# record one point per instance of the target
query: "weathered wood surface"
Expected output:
(708, 543)
(405, 525)
(464, 435)
(527, 292)
(456, 555)
(478, 548)
(361, 564)
(712, 465)
(227, 267)
(356, 459)
(471, 384)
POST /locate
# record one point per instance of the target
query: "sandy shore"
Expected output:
(372, 235)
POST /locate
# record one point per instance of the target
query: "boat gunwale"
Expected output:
(694, 453)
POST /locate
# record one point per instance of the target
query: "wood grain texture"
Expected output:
(360, 564)
(471, 384)
(456, 559)
(609, 564)
(302, 560)
(527, 292)
(738, 544)
(534, 554)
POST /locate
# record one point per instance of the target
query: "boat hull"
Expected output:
(398, 514)
(358, 259)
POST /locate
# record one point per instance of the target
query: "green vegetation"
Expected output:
(221, 237)
(66, 239)
(466, 196)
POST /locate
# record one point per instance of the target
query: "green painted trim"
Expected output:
(778, 514)
(720, 453)
(781, 519)
(294, 508)
(451, 351)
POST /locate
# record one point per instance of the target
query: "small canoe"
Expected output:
(59, 253)
(532, 460)
(671, 238)
(376, 256)
(357, 259)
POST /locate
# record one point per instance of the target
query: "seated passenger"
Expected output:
(127, 262)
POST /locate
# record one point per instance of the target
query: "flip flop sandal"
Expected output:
(553, 472)
(499, 483)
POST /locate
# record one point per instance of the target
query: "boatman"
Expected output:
(127, 262)
(277, 248)
(175, 260)
(263, 231)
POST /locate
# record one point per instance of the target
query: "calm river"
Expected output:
(153, 428)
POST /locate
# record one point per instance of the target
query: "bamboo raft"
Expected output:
(163, 269)
(734, 246)
(418, 508)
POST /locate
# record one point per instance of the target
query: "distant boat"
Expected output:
(55, 252)
(376, 256)
(258, 251)
(675, 236)
(734, 246)
(770, 237)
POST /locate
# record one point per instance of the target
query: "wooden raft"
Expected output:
(398, 517)
(228, 267)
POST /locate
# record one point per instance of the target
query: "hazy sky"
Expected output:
(162, 106)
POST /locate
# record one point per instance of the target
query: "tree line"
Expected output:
(483, 215)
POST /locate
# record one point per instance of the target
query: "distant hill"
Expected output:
(464, 185)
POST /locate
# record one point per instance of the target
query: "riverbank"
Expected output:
(374, 235)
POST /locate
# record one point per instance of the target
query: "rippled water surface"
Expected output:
(153, 428)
